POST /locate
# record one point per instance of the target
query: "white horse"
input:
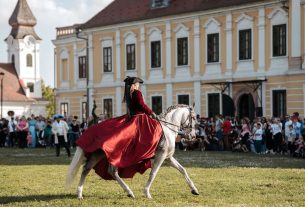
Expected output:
(172, 120)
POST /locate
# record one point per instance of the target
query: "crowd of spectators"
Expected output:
(38, 131)
(261, 136)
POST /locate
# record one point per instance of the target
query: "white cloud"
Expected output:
(49, 14)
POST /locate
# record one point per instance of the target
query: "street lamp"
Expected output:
(78, 31)
(1, 79)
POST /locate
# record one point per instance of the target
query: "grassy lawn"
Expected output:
(35, 177)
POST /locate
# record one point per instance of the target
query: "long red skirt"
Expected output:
(129, 144)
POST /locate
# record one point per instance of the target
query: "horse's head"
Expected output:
(188, 123)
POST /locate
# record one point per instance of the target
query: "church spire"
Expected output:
(23, 21)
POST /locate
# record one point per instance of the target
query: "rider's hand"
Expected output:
(153, 115)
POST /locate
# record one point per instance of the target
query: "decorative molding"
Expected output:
(276, 11)
(244, 16)
(212, 20)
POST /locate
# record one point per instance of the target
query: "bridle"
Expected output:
(187, 129)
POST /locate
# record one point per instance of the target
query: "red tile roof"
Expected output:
(12, 89)
(121, 11)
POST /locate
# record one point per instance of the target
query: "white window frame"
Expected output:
(182, 32)
(130, 38)
(212, 26)
(155, 34)
(107, 42)
(181, 94)
(207, 101)
(64, 54)
(62, 101)
(244, 22)
(157, 95)
(103, 107)
(271, 98)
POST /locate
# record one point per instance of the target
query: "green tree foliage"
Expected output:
(48, 95)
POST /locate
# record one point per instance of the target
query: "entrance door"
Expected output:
(228, 108)
(246, 106)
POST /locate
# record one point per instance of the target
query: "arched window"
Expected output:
(29, 60)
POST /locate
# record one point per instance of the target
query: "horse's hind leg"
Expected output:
(90, 163)
(114, 172)
(182, 170)
(159, 159)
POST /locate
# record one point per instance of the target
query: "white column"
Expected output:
(75, 62)
(90, 39)
(261, 40)
(197, 48)
(144, 92)
(118, 55)
(143, 55)
(295, 28)
(229, 48)
(118, 101)
(169, 95)
(168, 50)
(197, 98)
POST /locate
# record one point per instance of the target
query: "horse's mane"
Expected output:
(169, 109)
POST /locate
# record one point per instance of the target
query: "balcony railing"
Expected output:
(64, 32)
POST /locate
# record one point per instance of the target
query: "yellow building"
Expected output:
(241, 58)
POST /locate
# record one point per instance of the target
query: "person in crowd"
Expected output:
(258, 138)
(299, 145)
(40, 125)
(3, 132)
(12, 126)
(60, 130)
(227, 129)
(290, 139)
(297, 126)
(245, 134)
(47, 134)
(276, 127)
(219, 131)
(22, 129)
(83, 125)
(75, 131)
(32, 130)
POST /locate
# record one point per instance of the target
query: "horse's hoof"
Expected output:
(131, 195)
(80, 198)
(194, 192)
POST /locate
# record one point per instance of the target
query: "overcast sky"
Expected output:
(49, 14)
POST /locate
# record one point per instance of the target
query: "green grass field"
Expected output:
(35, 177)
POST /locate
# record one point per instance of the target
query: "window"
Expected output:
(108, 108)
(184, 99)
(182, 51)
(279, 103)
(213, 104)
(64, 65)
(156, 102)
(29, 60)
(245, 48)
(213, 48)
(107, 59)
(64, 109)
(279, 40)
(131, 56)
(159, 3)
(84, 110)
(31, 87)
(82, 67)
(156, 54)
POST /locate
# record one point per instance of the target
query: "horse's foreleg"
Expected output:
(90, 163)
(182, 170)
(115, 174)
(159, 159)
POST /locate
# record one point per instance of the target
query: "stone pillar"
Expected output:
(261, 41)
(229, 48)
(118, 92)
(169, 85)
(197, 48)
(295, 60)
(143, 55)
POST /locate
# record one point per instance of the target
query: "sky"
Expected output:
(49, 14)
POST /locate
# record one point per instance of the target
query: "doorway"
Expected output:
(246, 107)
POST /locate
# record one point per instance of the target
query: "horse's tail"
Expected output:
(76, 162)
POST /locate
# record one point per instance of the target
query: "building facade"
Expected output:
(238, 58)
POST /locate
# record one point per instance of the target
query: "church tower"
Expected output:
(23, 49)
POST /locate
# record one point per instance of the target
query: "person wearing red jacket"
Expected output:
(129, 141)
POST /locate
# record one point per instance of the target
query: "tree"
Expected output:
(48, 94)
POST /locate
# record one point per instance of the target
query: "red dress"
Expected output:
(128, 143)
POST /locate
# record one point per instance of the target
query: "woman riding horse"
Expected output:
(128, 141)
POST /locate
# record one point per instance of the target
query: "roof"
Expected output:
(12, 89)
(22, 21)
(121, 11)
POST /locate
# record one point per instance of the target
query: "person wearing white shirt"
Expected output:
(290, 138)
(60, 130)
(12, 127)
(258, 138)
(276, 127)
